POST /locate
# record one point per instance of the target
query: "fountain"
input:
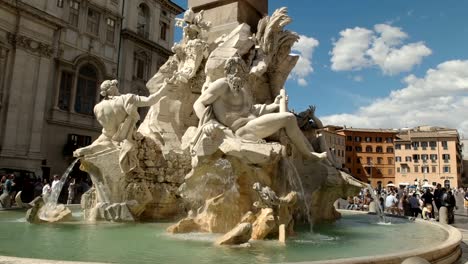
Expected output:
(220, 159)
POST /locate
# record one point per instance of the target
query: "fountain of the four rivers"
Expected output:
(219, 170)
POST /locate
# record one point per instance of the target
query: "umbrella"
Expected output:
(390, 185)
(427, 185)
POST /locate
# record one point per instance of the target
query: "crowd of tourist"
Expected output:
(409, 202)
(70, 193)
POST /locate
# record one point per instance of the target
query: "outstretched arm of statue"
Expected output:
(167, 87)
(273, 107)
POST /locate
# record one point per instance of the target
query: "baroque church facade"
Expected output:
(53, 56)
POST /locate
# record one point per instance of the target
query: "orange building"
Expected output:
(370, 154)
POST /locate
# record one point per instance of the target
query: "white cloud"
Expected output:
(383, 47)
(440, 98)
(349, 50)
(358, 78)
(302, 82)
(305, 47)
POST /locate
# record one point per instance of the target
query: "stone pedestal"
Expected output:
(225, 15)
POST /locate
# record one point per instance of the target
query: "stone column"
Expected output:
(225, 15)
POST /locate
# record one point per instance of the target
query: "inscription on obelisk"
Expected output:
(225, 15)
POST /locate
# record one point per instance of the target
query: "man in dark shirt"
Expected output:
(427, 198)
(438, 196)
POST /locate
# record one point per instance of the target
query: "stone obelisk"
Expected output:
(225, 15)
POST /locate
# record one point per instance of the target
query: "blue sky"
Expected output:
(380, 64)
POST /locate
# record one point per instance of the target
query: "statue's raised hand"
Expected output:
(209, 129)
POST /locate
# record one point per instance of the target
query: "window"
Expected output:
(425, 169)
(408, 158)
(368, 139)
(397, 146)
(407, 146)
(416, 168)
(415, 145)
(74, 142)
(369, 149)
(378, 139)
(398, 170)
(433, 145)
(379, 171)
(446, 169)
(389, 150)
(405, 169)
(141, 62)
(433, 157)
(390, 171)
(390, 160)
(424, 157)
(110, 33)
(368, 170)
(369, 160)
(349, 138)
(60, 3)
(349, 148)
(424, 145)
(358, 149)
(389, 140)
(444, 144)
(416, 157)
(446, 157)
(66, 82)
(86, 90)
(74, 13)
(163, 28)
(379, 160)
(358, 160)
(434, 169)
(379, 149)
(398, 159)
(143, 23)
(349, 160)
(357, 139)
(92, 25)
(140, 68)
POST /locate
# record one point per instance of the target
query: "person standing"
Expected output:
(438, 196)
(71, 191)
(448, 200)
(46, 190)
(414, 204)
(427, 198)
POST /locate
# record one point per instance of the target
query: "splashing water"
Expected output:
(379, 209)
(51, 201)
(296, 183)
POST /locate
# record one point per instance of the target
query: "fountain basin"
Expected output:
(356, 238)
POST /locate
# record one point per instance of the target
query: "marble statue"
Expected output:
(117, 113)
(218, 124)
(232, 105)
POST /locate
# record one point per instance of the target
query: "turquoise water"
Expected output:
(352, 236)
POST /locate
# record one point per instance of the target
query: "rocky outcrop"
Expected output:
(238, 235)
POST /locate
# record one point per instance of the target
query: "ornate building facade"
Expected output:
(53, 56)
(370, 154)
(428, 156)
